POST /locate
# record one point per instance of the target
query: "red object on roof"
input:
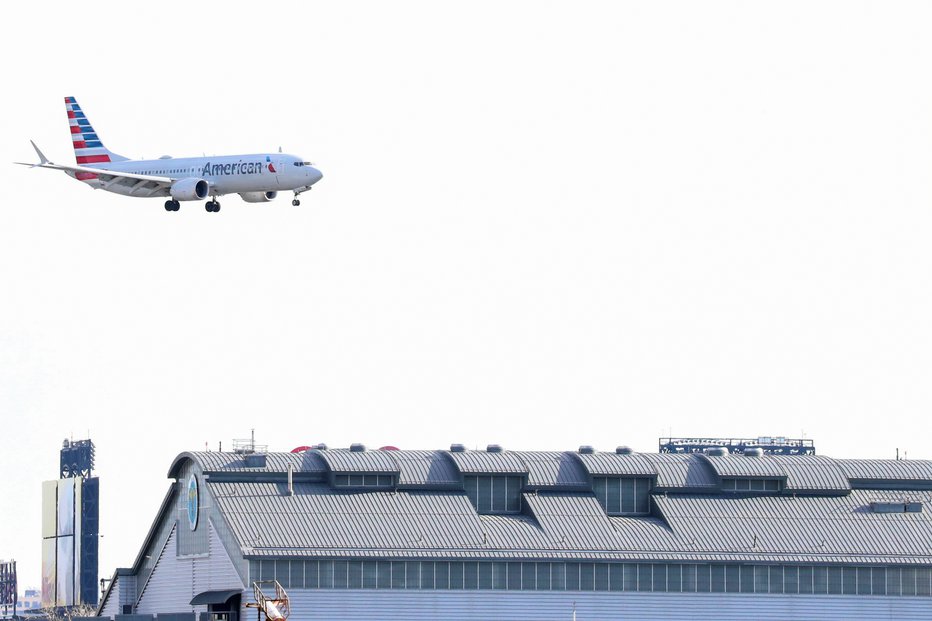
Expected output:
(388, 448)
(300, 449)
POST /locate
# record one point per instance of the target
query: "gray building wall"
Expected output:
(177, 579)
(367, 605)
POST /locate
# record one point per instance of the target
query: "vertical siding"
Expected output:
(175, 581)
(331, 605)
(112, 605)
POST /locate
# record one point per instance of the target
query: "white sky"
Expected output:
(540, 224)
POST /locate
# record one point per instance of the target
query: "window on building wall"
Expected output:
(623, 495)
(492, 494)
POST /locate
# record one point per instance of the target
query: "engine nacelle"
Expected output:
(190, 189)
(258, 197)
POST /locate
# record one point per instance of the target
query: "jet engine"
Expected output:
(258, 197)
(190, 189)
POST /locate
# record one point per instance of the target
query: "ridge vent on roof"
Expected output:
(753, 452)
(494, 448)
(717, 451)
(623, 450)
(357, 447)
(457, 448)
(586, 449)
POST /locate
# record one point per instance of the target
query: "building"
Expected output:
(70, 517)
(496, 534)
(30, 601)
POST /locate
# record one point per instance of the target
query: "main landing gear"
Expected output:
(212, 205)
(172, 205)
(296, 202)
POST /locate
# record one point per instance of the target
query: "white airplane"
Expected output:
(257, 178)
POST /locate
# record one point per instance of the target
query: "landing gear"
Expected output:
(172, 205)
(296, 202)
(212, 205)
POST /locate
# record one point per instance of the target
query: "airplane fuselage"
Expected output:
(226, 174)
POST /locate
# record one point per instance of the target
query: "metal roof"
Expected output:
(485, 462)
(803, 473)
(800, 527)
(682, 471)
(887, 469)
(215, 461)
(615, 464)
(430, 468)
(343, 460)
(553, 469)
(323, 522)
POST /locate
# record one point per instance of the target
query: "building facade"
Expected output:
(495, 534)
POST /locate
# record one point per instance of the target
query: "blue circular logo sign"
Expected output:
(192, 502)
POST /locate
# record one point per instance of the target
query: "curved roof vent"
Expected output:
(623, 450)
(717, 451)
(356, 447)
(494, 448)
(753, 452)
(321, 447)
(585, 449)
(457, 448)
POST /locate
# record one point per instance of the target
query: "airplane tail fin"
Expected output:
(88, 149)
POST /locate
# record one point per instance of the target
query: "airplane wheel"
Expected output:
(209, 206)
(216, 206)
(295, 202)
(176, 205)
(168, 206)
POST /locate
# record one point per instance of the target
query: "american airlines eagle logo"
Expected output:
(271, 168)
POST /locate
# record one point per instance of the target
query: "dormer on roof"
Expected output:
(361, 469)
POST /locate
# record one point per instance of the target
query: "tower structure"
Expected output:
(70, 517)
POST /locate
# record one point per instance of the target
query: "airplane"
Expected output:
(257, 178)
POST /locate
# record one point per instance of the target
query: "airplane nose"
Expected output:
(314, 175)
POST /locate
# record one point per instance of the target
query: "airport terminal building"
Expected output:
(497, 534)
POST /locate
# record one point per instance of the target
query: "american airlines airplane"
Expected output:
(256, 178)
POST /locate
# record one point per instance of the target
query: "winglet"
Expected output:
(42, 158)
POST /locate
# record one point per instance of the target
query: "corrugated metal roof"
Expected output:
(213, 461)
(319, 521)
(799, 527)
(425, 468)
(484, 462)
(553, 469)
(343, 460)
(804, 473)
(681, 470)
(743, 466)
(811, 473)
(608, 464)
(887, 469)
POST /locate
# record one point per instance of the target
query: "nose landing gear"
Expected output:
(297, 202)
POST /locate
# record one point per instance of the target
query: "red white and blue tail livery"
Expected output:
(257, 177)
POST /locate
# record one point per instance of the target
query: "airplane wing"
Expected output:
(139, 185)
(142, 185)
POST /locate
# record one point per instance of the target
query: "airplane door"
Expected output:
(280, 171)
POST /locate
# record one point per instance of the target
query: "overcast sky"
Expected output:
(541, 225)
